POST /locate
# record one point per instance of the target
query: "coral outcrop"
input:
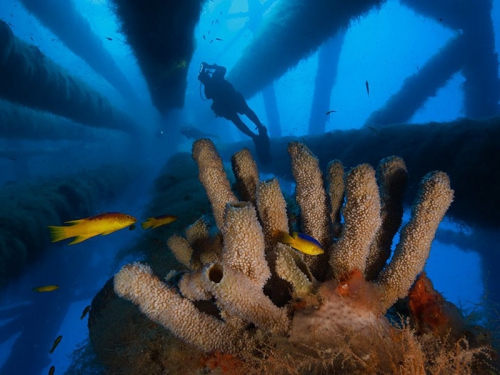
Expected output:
(250, 304)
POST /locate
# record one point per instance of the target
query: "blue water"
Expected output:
(383, 47)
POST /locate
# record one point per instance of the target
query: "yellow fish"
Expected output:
(83, 229)
(303, 243)
(155, 222)
(56, 342)
(46, 288)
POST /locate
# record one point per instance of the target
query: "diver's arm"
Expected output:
(220, 70)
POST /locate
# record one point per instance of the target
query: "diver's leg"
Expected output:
(253, 117)
(236, 120)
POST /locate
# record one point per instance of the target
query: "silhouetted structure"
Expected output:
(74, 31)
(30, 78)
(472, 52)
(291, 31)
(161, 35)
(18, 122)
(326, 75)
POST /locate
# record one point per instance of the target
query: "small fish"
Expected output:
(330, 111)
(85, 311)
(31, 38)
(211, 40)
(155, 222)
(84, 229)
(52, 370)
(108, 38)
(56, 342)
(367, 88)
(373, 129)
(204, 37)
(303, 243)
(218, 39)
(46, 288)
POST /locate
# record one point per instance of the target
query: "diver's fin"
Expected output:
(263, 146)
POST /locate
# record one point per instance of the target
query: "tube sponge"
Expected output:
(244, 243)
(271, 206)
(339, 319)
(362, 220)
(165, 306)
(247, 175)
(433, 199)
(213, 178)
(392, 177)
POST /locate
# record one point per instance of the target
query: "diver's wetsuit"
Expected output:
(228, 103)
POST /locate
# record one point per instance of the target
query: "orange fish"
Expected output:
(83, 229)
(155, 222)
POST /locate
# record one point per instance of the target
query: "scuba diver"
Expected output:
(228, 103)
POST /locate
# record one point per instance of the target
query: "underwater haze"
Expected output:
(101, 100)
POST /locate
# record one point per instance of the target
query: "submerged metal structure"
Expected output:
(30, 78)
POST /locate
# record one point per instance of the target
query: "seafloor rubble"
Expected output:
(247, 303)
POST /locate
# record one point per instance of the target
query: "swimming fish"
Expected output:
(52, 370)
(218, 39)
(46, 288)
(373, 129)
(330, 111)
(108, 38)
(303, 243)
(56, 342)
(85, 311)
(83, 229)
(367, 88)
(155, 222)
